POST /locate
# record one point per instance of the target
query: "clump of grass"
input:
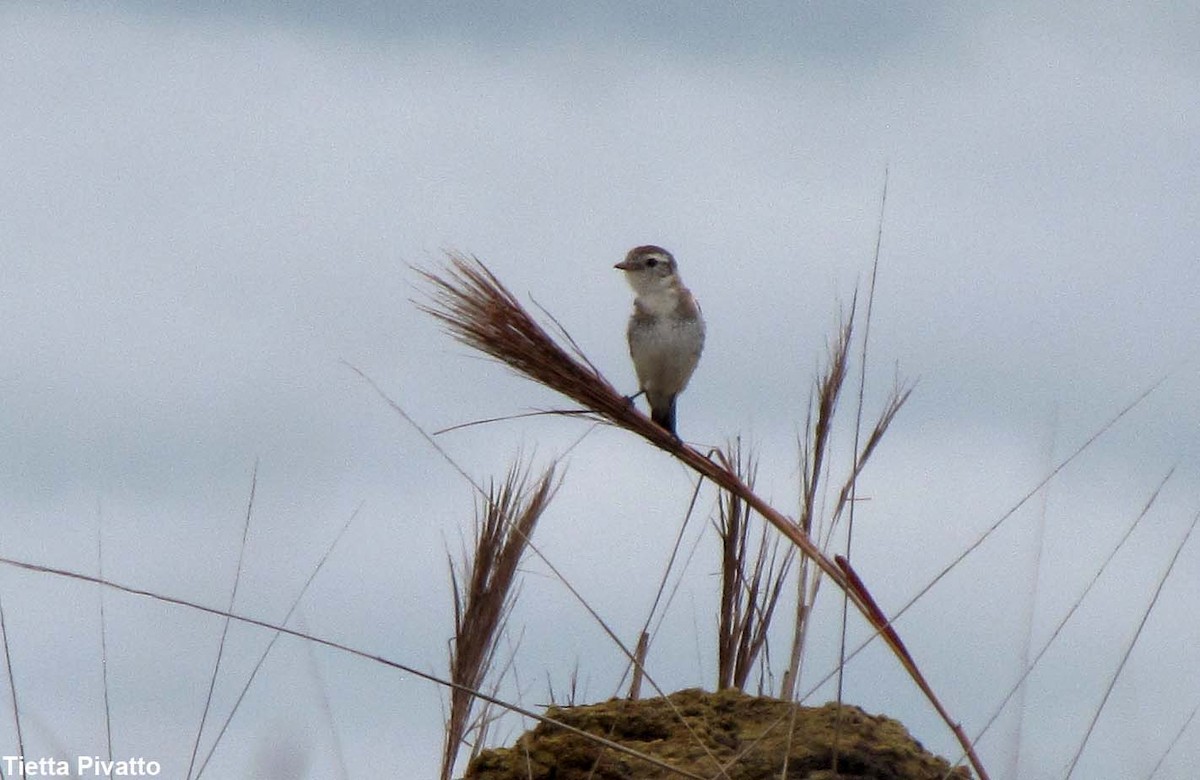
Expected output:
(484, 586)
(479, 311)
(751, 579)
(815, 471)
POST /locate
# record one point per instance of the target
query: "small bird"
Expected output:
(666, 331)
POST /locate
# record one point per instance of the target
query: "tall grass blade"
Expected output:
(850, 490)
(1033, 492)
(103, 632)
(1070, 613)
(751, 581)
(270, 645)
(1174, 741)
(1129, 648)
(12, 686)
(341, 647)
(484, 592)
(237, 577)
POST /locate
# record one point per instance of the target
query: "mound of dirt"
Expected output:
(699, 733)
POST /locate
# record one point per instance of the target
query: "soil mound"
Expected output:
(716, 729)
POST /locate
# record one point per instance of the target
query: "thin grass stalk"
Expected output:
(1033, 492)
(573, 689)
(679, 579)
(1132, 643)
(850, 489)
(1174, 741)
(811, 581)
(791, 674)
(899, 396)
(818, 433)
(237, 578)
(12, 685)
(325, 707)
(1008, 513)
(480, 312)
(731, 530)
(828, 393)
(340, 647)
(662, 585)
(635, 685)
(479, 729)
(890, 635)
(818, 429)
(1099, 573)
(749, 591)
(103, 631)
(771, 572)
(262, 658)
(1031, 602)
(483, 590)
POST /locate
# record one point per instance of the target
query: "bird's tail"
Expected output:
(664, 414)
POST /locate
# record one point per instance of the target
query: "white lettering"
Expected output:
(95, 766)
(42, 767)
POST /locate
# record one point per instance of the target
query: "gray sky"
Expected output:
(204, 213)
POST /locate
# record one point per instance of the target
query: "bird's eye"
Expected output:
(651, 262)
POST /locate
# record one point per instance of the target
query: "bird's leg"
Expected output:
(635, 396)
(665, 416)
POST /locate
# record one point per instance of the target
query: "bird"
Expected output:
(666, 330)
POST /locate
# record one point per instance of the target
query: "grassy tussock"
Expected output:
(484, 587)
(752, 579)
(476, 308)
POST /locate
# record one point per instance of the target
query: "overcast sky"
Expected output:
(204, 213)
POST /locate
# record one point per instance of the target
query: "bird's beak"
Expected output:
(624, 265)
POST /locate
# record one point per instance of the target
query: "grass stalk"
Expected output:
(237, 578)
(12, 686)
(53, 571)
(1132, 643)
(850, 490)
(1174, 741)
(1029, 667)
(751, 581)
(270, 645)
(484, 592)
(1004, 516)
(818, 430)
(103, 632)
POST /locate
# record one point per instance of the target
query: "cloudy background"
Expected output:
(204, 213)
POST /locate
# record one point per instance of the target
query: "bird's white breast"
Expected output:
(665, 348)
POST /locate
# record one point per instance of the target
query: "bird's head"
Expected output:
(649, 269)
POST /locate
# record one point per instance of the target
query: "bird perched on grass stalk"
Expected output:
(666, 331)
